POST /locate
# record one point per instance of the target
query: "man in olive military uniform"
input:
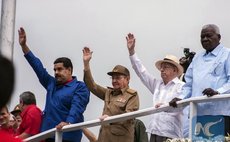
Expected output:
(118, 100)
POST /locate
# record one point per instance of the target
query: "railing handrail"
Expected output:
(125, 116)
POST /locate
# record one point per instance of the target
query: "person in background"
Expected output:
(140, 134)
(7, 77)
(118, 99)
(209, 75)
(185, 62)
(7, 122)
(13, 122)
(17, 114)
(66, 97)
(163, 125)
(31, 116)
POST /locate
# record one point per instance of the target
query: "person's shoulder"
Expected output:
(198, 57)
(138, 121)
(78, 82)
(226, 49)
(200, 54)
(33, 109)
(131, 91)
(225, 53)
(80, 85)
(177, 81)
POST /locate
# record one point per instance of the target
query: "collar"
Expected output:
(69, 83)
(118, 92)
(176, 80)
(215, 51)
(124, 89)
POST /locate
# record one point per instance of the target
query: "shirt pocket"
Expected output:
(118, 107)
(120, 104)
(218, 69)
(117, 130)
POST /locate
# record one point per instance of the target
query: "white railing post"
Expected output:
(58, 136)
(7, 28)
(192, 119)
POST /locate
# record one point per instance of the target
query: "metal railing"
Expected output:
(143, 112)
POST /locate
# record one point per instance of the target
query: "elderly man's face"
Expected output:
(119, 81)
(209, 39)
(168, 72)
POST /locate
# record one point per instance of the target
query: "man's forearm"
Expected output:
(24, 135)
(25, 49)
(86, 66)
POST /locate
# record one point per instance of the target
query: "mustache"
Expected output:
(56, 75)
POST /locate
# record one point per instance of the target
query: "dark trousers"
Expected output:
(227, 125)
(53, 140)
(156, 138)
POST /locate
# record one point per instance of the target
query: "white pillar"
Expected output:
(192, 119)
(7, 28)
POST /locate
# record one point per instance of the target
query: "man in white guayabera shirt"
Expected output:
(163, 125)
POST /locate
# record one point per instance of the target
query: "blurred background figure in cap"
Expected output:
(17, 114)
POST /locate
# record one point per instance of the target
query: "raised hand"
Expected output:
(130, 43)
(22, 37)
(22, 40)
(87, 54)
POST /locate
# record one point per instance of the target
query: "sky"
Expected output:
(58, 28)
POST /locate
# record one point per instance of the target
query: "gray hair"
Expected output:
(215, 27)
(28, 98)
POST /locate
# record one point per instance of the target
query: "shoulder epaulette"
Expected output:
(131, 91)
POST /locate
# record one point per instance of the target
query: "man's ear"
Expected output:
(175, 70)
(219, 36)
(128, 78)
(21, 103)
(70, 69)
